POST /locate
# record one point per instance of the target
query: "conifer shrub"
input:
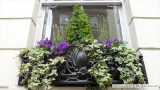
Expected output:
(78, 29)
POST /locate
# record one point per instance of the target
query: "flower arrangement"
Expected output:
(54, 48)
(40, 68)
(123, 56)
(105, 56)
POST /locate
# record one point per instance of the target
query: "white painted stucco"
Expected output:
(16, 8)
(142, 9)
(14, 33)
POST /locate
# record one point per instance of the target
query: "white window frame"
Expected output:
(44, 10)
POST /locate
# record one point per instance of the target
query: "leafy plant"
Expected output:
(41, 68)
(78, 29)
(24, 54)
(93, 50)
(130, 67)
(99, 70)
(58, 33)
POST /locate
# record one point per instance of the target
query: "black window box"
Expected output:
(71, 75)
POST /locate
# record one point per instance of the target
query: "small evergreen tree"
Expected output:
(79, 27)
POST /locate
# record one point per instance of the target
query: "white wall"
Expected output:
(18, 20)
(143, 18)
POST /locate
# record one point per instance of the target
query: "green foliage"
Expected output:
(79, 27)
(100, 72)
(38, 73)
(104, 25)
(130, 67)
(59, 33)
(100, 69)
(94, 50)
(24, 53)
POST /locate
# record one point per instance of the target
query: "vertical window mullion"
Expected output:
(49, 25)
(45, 22)
(124, 26)
(40, 24)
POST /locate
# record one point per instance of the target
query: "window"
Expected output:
(93, 21)
(110, 12)
(64, 18)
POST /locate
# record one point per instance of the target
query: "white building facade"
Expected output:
(20, 20)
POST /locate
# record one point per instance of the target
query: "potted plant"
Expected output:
(41, 68)
(80, 60)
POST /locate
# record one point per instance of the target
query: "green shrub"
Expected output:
(78, 28)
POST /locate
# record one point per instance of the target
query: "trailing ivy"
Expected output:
(99, 70)
(41, 68)
(78, 29)
(130, 67)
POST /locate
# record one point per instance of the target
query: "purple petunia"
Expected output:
(40, 43)
(108, 42)
(47, 43)
(61, 47)
(116, 40)
(54, 49)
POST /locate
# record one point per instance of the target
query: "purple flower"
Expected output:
(109, 42)
(54, 49)
(47, 43)
(60, 52)
(40, 43)
(60, 48)
(116, 40)
(108, 45)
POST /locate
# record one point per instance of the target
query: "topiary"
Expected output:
(78, 28)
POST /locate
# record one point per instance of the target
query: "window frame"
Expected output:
(44, 16)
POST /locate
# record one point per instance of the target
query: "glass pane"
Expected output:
(93, 21)
(64, 18)
(102, 20)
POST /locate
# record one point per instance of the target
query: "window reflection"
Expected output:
(64, 18)
(100, 17)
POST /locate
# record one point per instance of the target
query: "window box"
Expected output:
(74, 70)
